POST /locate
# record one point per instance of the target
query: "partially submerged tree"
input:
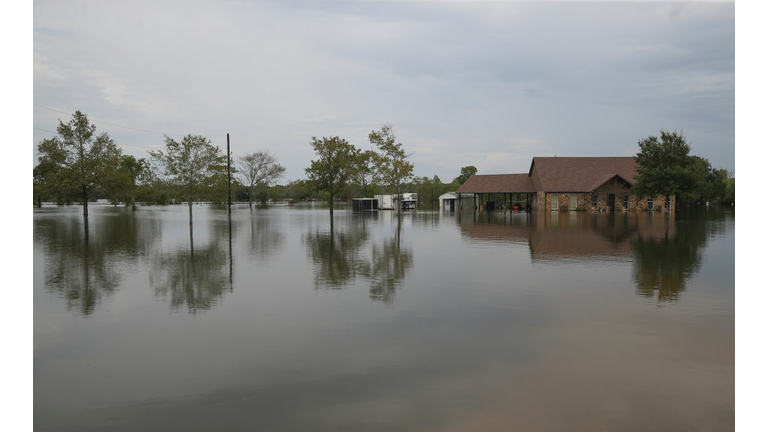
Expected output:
(258, 170)
(77, 159)
(45, 183)
(665, 168)
(335, 166)
(126, 180)
(366, 174)
(392, 163)
(189, 164)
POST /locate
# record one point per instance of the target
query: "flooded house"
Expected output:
(568, 184)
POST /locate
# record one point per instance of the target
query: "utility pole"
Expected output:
(229, 179)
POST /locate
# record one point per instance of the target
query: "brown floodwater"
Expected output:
(284, 319)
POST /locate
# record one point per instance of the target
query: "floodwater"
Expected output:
(286, 320)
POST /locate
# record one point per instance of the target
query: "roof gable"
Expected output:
(581, 174)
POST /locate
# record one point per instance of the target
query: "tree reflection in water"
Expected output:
(336, 254)
(665, 250)
(663, 264)
(339, 258)
(387, 267)
(197, 277)
(266, 239)
(82, 258)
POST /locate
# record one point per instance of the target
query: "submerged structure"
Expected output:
(385, 202)
(567, 184)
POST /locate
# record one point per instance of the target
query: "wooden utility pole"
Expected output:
(229, 179)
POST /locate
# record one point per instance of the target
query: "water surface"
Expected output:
(282, 318)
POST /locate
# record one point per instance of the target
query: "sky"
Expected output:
(488, 84)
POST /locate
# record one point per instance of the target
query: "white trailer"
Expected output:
(385, 202)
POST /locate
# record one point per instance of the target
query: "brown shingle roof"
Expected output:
(581, 174)
(497, 183)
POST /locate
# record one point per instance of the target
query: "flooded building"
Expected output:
(569, 184)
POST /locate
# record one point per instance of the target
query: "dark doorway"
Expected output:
(611, 202)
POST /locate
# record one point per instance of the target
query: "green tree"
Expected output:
(276, 193)
(665, 168)
(85, 161)
(298, 190)
(392, 164)
(45, 183)
(258, 170)
(366, 174)
(429, 190)
(126, 179)
(704, 179)
(191, 164)
(334, 168)
(466, 173)
(216, 187)
(730, 190)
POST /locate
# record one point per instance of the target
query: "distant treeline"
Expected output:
(78, 165)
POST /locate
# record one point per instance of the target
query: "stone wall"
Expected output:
(542, 201)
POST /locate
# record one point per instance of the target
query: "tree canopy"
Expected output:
(365, 170)
(77, 160)
(466, 173)
(334, 167)
(190, 164)
(392, 163)
(665, 168)
(258, 169)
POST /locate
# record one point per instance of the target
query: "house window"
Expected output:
(574, 202)
(650, 203)
(553, 202)
(667, 203)
(626, 201)
(594, 201)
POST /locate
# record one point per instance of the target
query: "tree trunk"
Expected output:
(85, 201)
(331, 202)
(399, 200)
(189, 201)
(250, 199)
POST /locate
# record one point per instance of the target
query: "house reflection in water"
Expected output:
(663, 253)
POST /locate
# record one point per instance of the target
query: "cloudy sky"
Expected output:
(489, 84)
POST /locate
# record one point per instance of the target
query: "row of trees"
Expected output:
(666, 168)
(340, 165)
(77, 165)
